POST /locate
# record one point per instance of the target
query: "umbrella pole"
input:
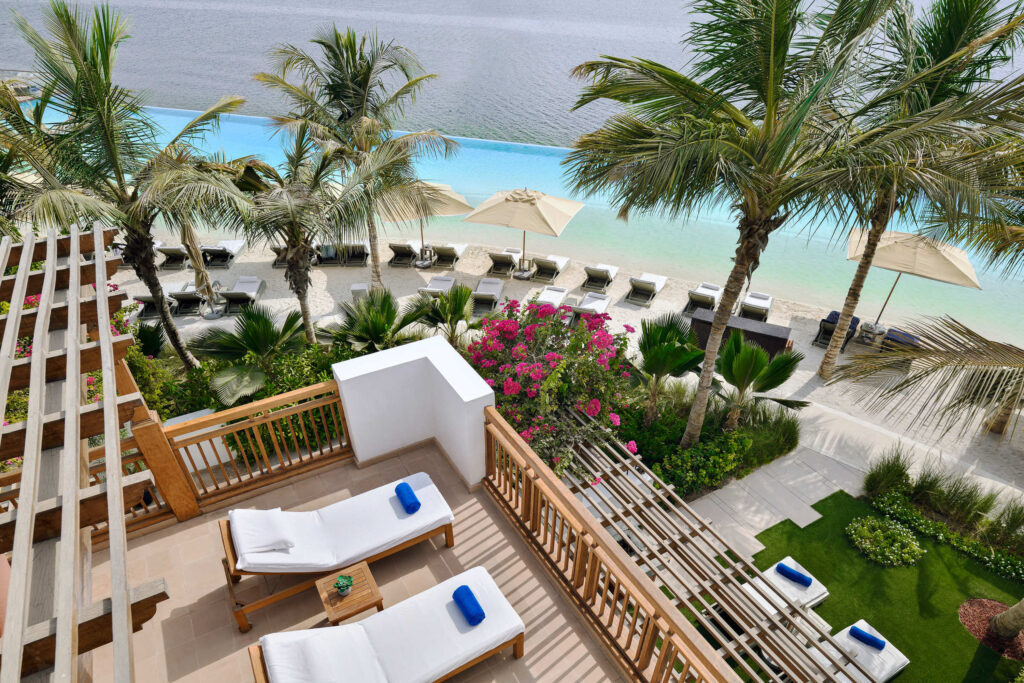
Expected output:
(896, 282)
(522, 257)
(423, 243)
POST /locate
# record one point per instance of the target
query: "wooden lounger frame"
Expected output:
(233, 574)
(518, 645)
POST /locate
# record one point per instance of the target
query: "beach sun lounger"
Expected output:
(247, 290)
(423, 638)
(449, 254)
(707, 295)
(756, 306)
(775, 583)
(593, 302)
(552, 295)
(405, 254)
(355, 254)
(275, 542)
(643, 289)
(599, 277)
(882, 664)
(191, 301)
(487, 295)
(175, 258)
(148, 301)
(503, 263)
(549, 267)
(827, 327)
(222, 255)
(438, 285)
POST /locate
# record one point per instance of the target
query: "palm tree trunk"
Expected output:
(879, 222)
(297, 273)
(139, 250)
(376, 280)
(732, 420)
(651, 414)
(1009, 623)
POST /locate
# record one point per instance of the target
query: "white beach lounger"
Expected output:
(593, 302)
(643, 289)
(449, 254)
(222, 255)
(775, 583)
(549, 267)
(503, 263)
(599, 277)
(358, 290)
(247, 290)
(175, 258)
(319, 541)
(487, 295)
(882, 664)
(756, 306)
(148, 301)
(421, 639)
(707, 295)
(438, 285)
(552, 295)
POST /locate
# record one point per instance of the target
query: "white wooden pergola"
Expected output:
(51, 614)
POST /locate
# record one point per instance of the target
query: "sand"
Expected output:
(837, 423)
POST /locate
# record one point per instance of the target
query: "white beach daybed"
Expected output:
(599, 277)
(882, 664)
(756, 306)
(706, 295)
(549, 267)
(643, 289)
(552, 295)
(421, 639)
(449, 254)
(775, 583)
(438, 285)
(320, 541)
(222, 255)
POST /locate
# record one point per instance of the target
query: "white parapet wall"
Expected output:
(404, 396)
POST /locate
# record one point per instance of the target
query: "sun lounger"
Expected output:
(355, 254)
(175, 258)
(327, 539)
(191, 301)
(449, 254)
(707, 295)
(405, 254)
(422, 638)
(827, 327)
(503, 263)
(599, 277)
(643, 289)
(148, 301)
(549, 267)
(438, 285)
(359, 290)
(247, 290)
(756, 306)
(775, 584)
(882, 664)
(222, 255)
(487, 295)
(552, 295)
(593, 302)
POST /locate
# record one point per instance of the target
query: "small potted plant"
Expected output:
(343, 584)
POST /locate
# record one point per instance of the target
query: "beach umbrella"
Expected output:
(907, 253)
(526, 210)
(441, 200)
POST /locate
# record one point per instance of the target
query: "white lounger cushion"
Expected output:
(327, 538)
(612, 271)
(236, 247)
(657, 280)
(594, 303)
(322, 655)
(801, 596)
(709, 290)
(560, 261)
(458, 247)
(881, 664)
(758, 300)
(552, 295)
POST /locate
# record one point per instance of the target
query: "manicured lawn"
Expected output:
(914, 607)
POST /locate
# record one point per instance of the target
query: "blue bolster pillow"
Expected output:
(407, 497)
(793, 575)
(468, 605)
(866, 638)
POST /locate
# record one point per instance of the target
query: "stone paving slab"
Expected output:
(781, 498)
(751, 510)
(800, 480)
(842, 475)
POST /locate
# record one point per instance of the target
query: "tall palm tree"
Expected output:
(749, 127)
(752, 372)
(450, 314)
(944, 56)
(97, 162)
(667, 348)
(954, 377)
(350, 95)
(377, 322)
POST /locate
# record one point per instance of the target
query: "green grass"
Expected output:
(914, 607)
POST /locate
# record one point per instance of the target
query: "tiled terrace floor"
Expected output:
(193, 636)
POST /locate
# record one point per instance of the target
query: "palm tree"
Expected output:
(350, 97)
(97, 163)
(944, 56)
(1009, 623)
(251, 350)
(954, 376)
(750, 127)
(450, 314)
(667, 348)
(751, 372)
(376, 322)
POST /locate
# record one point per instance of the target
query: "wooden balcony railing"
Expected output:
(646, 630)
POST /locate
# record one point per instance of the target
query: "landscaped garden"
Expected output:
(916, 607)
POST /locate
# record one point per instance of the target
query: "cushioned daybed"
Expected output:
(320, 541)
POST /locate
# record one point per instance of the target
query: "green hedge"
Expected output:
(884, 541)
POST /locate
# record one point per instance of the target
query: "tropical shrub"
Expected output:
(1007, 528)
(773, 432)
(750, 372)
(887, 472)
(704, 465)
(884, 541)
(928, 485)
(543, 369)
(150, 338)
(377, 322)
(964, 502)
(151, 378)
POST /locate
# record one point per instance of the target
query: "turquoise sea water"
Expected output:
(799, 264)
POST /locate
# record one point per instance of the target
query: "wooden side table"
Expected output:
(364, 594)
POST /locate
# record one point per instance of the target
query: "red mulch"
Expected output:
(974, 615)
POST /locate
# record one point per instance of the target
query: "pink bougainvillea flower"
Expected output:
(490, 382)
(596, 481)
(511, 387)
(629, 329)
(631, 447)
(556, 459)
(614, 419)
(593, 408)
(625, 374)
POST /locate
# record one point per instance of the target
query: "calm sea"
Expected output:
(504, 75)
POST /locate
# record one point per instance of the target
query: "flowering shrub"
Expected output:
(884, 541)
(23, 348)
(540, 367)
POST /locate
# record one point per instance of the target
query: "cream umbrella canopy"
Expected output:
(440, 200)
(905, 252)
(526, 210)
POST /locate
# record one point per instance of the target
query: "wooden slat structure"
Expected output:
(50, 504)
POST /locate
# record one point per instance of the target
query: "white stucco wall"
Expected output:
(420, 391)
